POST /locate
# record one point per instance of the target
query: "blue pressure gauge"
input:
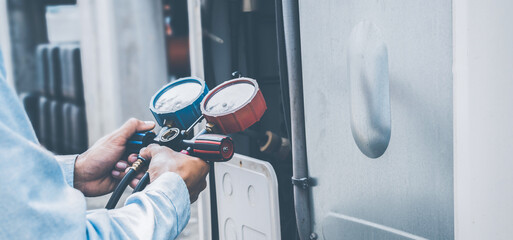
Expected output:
(178, 103)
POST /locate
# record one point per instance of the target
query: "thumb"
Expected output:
(134, 125)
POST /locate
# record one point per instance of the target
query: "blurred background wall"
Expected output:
(82, 68)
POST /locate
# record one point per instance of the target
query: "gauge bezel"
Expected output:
(168, 86)
(225, 85)
(185, 116)
(240, 118)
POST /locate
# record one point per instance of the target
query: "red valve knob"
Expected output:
(211, 147)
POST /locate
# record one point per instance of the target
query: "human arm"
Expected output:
(45, 207)
(37, 203)
(176, 180)
(161, 211)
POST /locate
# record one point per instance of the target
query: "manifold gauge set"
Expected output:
(180, 105)
(177, 107)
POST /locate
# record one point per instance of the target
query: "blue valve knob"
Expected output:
(138, 141)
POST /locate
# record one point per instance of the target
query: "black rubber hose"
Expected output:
(282, 67)
(142, 183)
(116, 195)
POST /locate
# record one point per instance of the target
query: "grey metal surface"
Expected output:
(203, 226)
(335, 226)
(124, 61)
(367, 65)
(410, 187)
(5, 41)
(26, 29)
(299, 157)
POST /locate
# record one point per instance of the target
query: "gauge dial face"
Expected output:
(234, 105)
(230, 98)
(178, 97)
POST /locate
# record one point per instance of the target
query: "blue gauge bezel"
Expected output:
(185, 116)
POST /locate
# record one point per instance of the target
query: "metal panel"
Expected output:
(5, 42)
(124, 61)
(335, 227)
(24, 29)
(408, 189)
(197, 70)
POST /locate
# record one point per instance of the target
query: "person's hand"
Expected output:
(99, 169)
(192, 169)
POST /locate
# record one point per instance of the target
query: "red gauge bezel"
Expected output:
(241, 118)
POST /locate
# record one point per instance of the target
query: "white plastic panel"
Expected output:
(247, 200)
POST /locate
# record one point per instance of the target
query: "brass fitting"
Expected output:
(210, 127)
(136, 165)
(140, 161)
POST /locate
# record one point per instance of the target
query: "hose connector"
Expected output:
(140, 162)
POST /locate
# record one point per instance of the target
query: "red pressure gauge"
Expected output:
(234, 105)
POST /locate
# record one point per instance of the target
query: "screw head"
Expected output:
(313, 236)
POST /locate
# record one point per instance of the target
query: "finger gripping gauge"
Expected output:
(211, 147)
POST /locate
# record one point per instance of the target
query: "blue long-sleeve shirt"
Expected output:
(37, 200)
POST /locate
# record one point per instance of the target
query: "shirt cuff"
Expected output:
(173, 187)
(67, 163)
